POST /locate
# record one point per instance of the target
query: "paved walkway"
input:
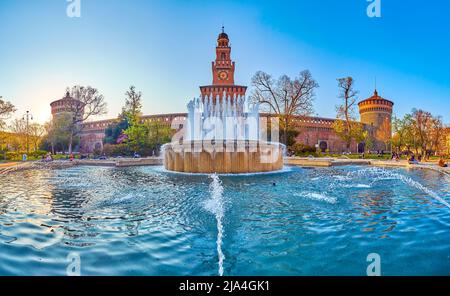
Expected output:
(8, 164)
(8, 167)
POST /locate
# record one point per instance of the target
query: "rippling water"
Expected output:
(144, 221)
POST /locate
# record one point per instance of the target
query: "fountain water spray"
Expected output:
(382, 174)
(224, 134)
(215, 205)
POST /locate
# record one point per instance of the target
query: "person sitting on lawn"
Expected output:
(412, 160)
(442, 163)
(49, 157)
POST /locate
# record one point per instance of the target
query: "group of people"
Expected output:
(412, 160)
(47, 157)
(395, 156)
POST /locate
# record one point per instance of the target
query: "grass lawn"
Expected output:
(32, 158)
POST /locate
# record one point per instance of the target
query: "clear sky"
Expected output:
(165, 49)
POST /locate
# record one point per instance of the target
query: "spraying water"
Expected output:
(382, 174)
(215, 205)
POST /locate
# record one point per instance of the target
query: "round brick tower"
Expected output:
(66, 104)
(376, 114)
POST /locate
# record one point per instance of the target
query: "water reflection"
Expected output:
(134, 221)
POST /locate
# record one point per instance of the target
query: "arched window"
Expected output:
(224, 56)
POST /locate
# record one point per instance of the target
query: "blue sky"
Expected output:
(165, 49)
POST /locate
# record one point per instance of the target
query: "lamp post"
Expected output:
(28, 116)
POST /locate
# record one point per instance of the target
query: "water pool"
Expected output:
(145, 221)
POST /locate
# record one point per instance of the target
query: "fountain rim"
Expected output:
(223, 157)
(286, 169)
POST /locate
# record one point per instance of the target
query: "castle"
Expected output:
(375, 112)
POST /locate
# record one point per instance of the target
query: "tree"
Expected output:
(19, 128)
(422, 129)
(346, 126)
(6, 108)
(362, 136)
(342, 132)
(131, 113)
(140, 136)
(384, 133)
(399, 130)
(36, 131)
(158, 134)
(133, 104)
(115, 130)
(438, 134)
(87, 102)
(137, 134)
(369, 143)
(285, 97)
(3, 140)
(58, 132)
(403, 133)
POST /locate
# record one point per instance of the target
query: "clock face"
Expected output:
(223, 75)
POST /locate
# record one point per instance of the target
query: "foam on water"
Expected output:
(126, 198)
(215, 205)
(356, 186)
(318, 196)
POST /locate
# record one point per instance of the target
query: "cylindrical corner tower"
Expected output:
(66, 104)
(376, 114)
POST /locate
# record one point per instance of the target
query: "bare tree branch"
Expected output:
(285, 97)
(84, 103)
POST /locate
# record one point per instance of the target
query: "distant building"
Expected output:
(313, 131)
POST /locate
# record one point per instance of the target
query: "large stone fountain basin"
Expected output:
(223, 157)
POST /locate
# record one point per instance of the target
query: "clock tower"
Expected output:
(223, 72)
(223, 67)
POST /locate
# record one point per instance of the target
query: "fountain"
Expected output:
(224, 135)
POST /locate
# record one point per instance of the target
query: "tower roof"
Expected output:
(223, 35)
(67, 99)
(376, 97)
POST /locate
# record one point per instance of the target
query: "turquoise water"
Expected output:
(144, 221)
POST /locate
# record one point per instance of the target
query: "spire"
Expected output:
(223, 34)
(376, 92)
(67, 92)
